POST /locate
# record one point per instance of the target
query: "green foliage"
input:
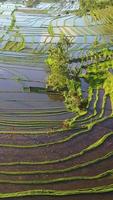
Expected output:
(50, 30)
(99, 75)
(95, 76)
(63, 79)
(58, 64)
(88, 6)
(105, 16)
(29, 3)
(13, 21)
(72, 96)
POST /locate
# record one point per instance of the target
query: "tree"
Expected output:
(63, 79)
(57, 61)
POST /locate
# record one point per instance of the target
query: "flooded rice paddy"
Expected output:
(38, 158)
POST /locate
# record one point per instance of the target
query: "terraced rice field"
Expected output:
(39, 158)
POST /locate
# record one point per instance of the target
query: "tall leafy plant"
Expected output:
(64, 79)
